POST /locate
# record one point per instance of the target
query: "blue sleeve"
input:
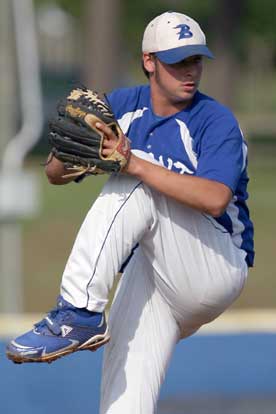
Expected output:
(221, 156)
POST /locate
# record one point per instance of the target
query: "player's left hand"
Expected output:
(79, 144)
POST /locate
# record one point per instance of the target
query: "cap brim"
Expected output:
(180, 53)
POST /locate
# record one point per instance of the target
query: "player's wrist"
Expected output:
(133, 166)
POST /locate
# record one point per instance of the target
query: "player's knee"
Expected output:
(221, 292)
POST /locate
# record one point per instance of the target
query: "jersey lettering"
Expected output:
(182, 168)
(169, 164)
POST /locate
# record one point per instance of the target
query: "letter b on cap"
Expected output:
(184, 32)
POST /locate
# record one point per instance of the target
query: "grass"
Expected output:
(48, 238)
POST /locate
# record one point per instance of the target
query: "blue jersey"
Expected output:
(203, 140)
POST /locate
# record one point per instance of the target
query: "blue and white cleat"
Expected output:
(64, 330)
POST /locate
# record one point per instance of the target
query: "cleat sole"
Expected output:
(91, 345)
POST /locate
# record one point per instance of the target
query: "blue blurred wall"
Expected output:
(228, 365)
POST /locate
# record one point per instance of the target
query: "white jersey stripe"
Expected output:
(129, 117)
(187, 142)
(244, 153)
(244, 150)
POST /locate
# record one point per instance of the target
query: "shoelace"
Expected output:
(52, 321)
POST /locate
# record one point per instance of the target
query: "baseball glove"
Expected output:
(78, 143)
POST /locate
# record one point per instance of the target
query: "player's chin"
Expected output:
(185, 95)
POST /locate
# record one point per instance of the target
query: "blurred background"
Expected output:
(46, 47)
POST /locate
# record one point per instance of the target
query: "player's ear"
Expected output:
(149, 62)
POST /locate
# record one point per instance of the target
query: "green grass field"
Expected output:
(48, 238)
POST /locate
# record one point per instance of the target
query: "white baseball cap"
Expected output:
(174, 37)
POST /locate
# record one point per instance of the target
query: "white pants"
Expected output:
(185, 272)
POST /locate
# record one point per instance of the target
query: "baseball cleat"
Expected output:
(64, 330)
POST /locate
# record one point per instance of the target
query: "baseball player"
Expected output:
(176, 219)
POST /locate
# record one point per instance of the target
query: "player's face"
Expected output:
(177, 82)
